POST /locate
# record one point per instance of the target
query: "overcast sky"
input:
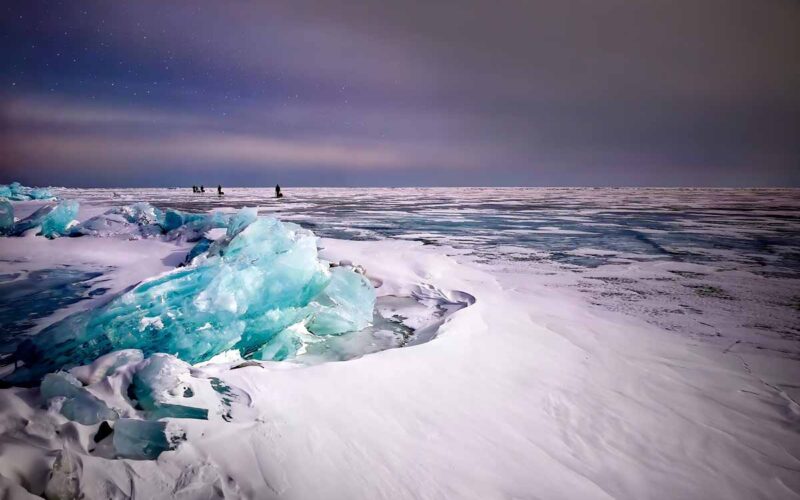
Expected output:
(315, 93)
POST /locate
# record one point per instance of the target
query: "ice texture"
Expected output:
(140, 439)
(78, 405)
(17, 192)
(139, 220)
(31, 221)
(58, 221)
(245, 293)
(53, 221)
(143, 220)
(6, 216)
(158, 382)
(345, 305)
(198, 249)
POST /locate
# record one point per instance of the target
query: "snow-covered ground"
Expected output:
(530, 391)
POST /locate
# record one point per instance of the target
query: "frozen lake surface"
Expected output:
(718, 264)
(610, 340)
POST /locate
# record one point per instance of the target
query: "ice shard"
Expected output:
(78, 405)
(53, 221)
(140, 439)
(31, 221)
(6, 216)
(60, 219)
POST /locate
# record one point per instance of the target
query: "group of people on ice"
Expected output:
(220, 192)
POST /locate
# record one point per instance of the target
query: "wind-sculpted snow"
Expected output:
(261, 290)
(17, 192)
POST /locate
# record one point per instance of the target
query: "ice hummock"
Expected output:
(139, 220)
(143, 220)
(52, 220)
(6, 216)
(59, 221)
(77, 403)
(252, 291)
(17, 192)
(126, 396)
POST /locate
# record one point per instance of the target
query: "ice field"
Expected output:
(433, 343)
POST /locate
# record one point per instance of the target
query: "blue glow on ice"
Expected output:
(78, 405)
(17, 192)
(53, 221)
(6, 216)
(250, 292)
(142, 220)
(57, 222)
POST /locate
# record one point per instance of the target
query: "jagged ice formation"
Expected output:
(261, 290)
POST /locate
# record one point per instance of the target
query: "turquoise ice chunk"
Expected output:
(31, 221)
(282, 346)
(192, 226)
(17, 192)
(260, 279)
(144, 220)
(140, 439)
(345, 305)
(53, 220)
(200, 248)
(173, 219)
(79, 405)
(57, 222)
(6, 216)
(86, 409)
(141, 213)
(40, 194)
(59, 384)
(137, 220)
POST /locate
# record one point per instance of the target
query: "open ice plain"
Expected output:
(554, 343)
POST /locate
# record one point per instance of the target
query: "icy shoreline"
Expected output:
(527, 392)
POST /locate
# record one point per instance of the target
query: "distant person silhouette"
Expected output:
(194, 189)
(202, 189)
(219, 190)
(278, 193)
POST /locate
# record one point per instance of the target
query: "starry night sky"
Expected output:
(340, 93)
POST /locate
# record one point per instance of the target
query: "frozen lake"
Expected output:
(717, 264)
(496, 345)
